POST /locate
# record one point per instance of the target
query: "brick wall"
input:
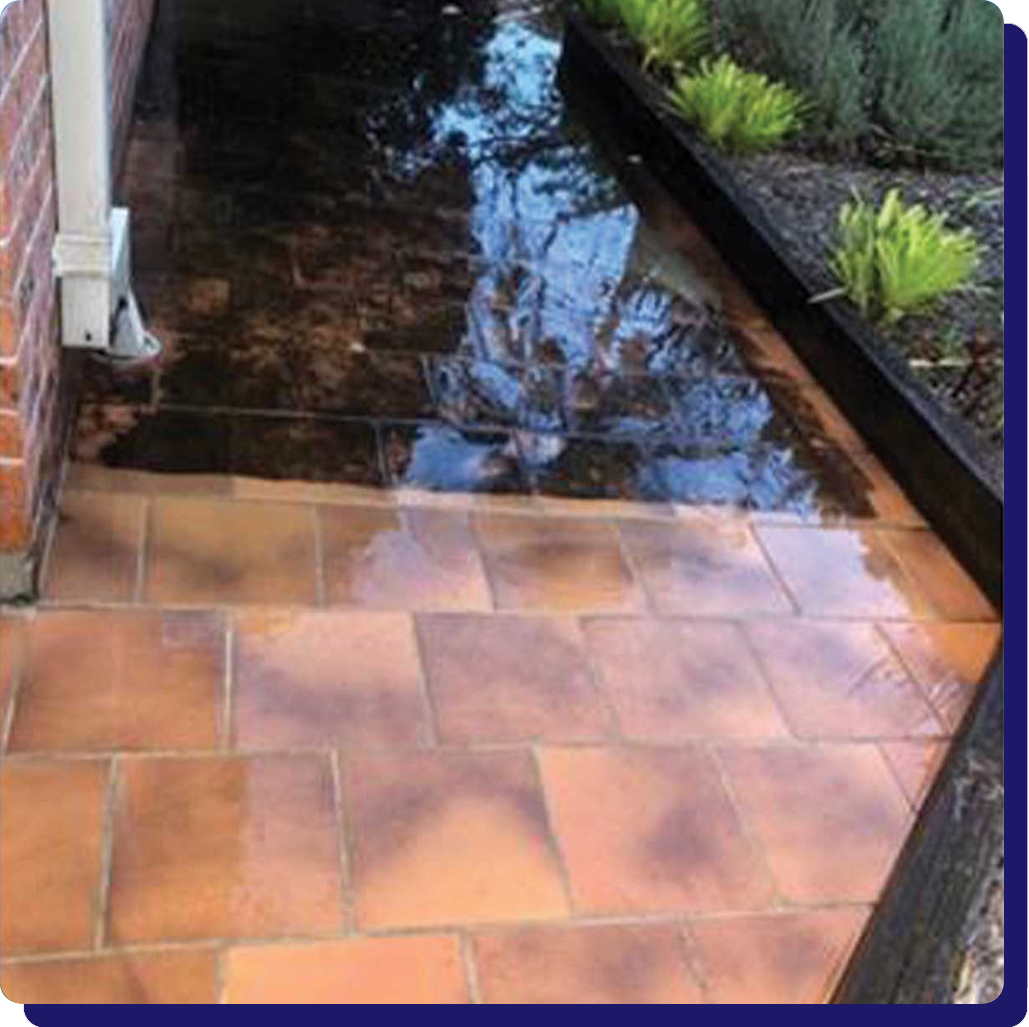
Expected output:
(35, 385)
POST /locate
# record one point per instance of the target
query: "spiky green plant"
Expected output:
(736, 110)
(898, 259)
(670, 32)
(812, 46)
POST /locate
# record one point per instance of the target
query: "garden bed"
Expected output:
(948, 468)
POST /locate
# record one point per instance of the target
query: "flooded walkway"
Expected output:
(480, 603)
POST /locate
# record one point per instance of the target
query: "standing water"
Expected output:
(381, 249)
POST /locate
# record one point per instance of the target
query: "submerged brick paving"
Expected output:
(283, 730)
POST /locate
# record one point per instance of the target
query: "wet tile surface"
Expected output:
(782, 958)
(795, 798)
(263, 831)
(511, 679)
(354, 972)
(96, 552)
(156, 682)
(204, 553)
(844, 573)
(707, 567)
(573, 965)
(672, 682)
(554, 565)
(51, 820)
(319, 679)
(411, 559)
(390, 237)
(478, 559)
(949, 661)
(450, 838)
(671, 841)
(841, 681)
(165, 978)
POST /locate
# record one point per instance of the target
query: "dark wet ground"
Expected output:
(380, 249)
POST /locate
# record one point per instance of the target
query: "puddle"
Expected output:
(381, 248)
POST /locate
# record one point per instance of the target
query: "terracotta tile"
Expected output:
(224, 848)
(116, 480)
(556, 564)
(831, 818)
(621, 509)
(916, 765)
(949, 588)
(671, 681)
(889, 502)
(767, 352)
(419, 969)
(585, 965)
(776, 959)
(319, 678)
(156, 681)
(844, 572)
(407, 560)
(496, 679)
(840, 680)
(231, 553)
(648, 831)
(12, 649)
(447, 838)
(165, 978)
(96, 548)
(51, 816)
(704, 568)
(949, 661)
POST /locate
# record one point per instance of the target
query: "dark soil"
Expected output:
(958, 349)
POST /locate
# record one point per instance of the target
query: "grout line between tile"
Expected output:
(768, 681)
(773, 567)
(432, 722)
(348, 911)
(17, 686)
(694, 963)
(895, 774)
(228, 684)
(616, 736)
(555, 842)
(634, 571)
(106, 855)
(50, 541)
(139, 591)
(471, 969)
(753, 841)
(914, 678)
(220, 970)
(385, 751)
(319, 559)
(574, 922)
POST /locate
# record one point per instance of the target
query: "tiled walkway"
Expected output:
(630, 699)
(293, 747)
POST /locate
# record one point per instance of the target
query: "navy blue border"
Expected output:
(1011, 1007)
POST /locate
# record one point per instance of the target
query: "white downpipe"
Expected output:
(91, 252)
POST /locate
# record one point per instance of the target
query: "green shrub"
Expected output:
(736, 110)
(898, 260)
(920, 81)
(938, 74)
(812, 45)
(672, 33)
